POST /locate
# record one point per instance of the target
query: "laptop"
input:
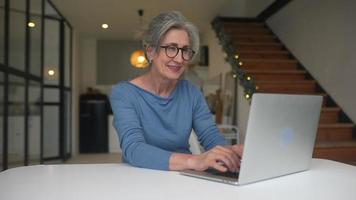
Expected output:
(279, 140)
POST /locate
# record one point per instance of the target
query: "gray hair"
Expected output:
(162, 23)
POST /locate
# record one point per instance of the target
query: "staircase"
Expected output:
(274, 70)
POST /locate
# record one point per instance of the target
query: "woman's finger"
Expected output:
(222, 159)
(233, 160)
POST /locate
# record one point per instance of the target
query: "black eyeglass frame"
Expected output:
(165, 47)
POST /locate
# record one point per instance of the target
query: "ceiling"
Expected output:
(86, 16)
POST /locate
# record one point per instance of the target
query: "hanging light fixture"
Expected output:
(138, 58)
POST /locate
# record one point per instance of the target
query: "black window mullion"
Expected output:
(42, 82)
(61, 90)
(6, 84)
(70, 88)
(71, 58)
(27, 82)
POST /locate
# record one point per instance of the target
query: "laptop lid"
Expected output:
(279, 140)
(280, 135)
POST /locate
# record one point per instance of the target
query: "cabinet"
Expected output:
(93, 133)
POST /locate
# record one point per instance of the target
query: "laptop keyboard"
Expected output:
(224, 174)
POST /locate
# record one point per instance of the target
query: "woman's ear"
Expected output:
(150, 53)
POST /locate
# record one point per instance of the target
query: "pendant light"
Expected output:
(138, 58)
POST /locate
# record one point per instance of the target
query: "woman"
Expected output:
(155, 112)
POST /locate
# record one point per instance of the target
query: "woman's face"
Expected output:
(171, 68)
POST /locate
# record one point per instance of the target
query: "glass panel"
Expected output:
(17, 34)
(35, 51)
(67, 64)
(34, 123)
(1, 117)
(16, 121)
(67, 121)
(51, 52)
(50, 11)
(18, 5)
(50, 131)
(2, 32)
(51, 95)
(36, 7)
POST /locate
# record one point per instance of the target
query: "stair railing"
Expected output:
(233, 58)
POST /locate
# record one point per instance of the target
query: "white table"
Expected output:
(326, 180)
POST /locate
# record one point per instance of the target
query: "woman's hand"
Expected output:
(221, 158)
(237, 148)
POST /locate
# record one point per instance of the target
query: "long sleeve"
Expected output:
(134, 147)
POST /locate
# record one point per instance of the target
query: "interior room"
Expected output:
(59, 60)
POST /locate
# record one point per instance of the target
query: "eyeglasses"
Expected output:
(172, 52)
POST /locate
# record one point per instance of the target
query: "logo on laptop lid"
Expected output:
(287, 136)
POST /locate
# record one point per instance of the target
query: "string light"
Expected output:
(105, 26)
(51, 72)
(31, 24)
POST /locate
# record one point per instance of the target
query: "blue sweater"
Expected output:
(151, 127)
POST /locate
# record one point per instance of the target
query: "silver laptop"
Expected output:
(279, 140)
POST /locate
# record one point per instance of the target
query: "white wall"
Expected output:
(88, 62)
(321, 34)
(217, 63)
(243, 110)
(113, 61)
(245, 8)
(255, 7)
(218, 67)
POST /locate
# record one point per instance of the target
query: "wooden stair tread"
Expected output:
(258, 44)
(284, 52)
(335, 144)
(253, 24)
(320, 94)
(246, 28)
(287, 81)
(336, 125)
(324, 95)
(329, 115)
(263, 71)
(249, 30)
(270, 60)
(253, 36)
